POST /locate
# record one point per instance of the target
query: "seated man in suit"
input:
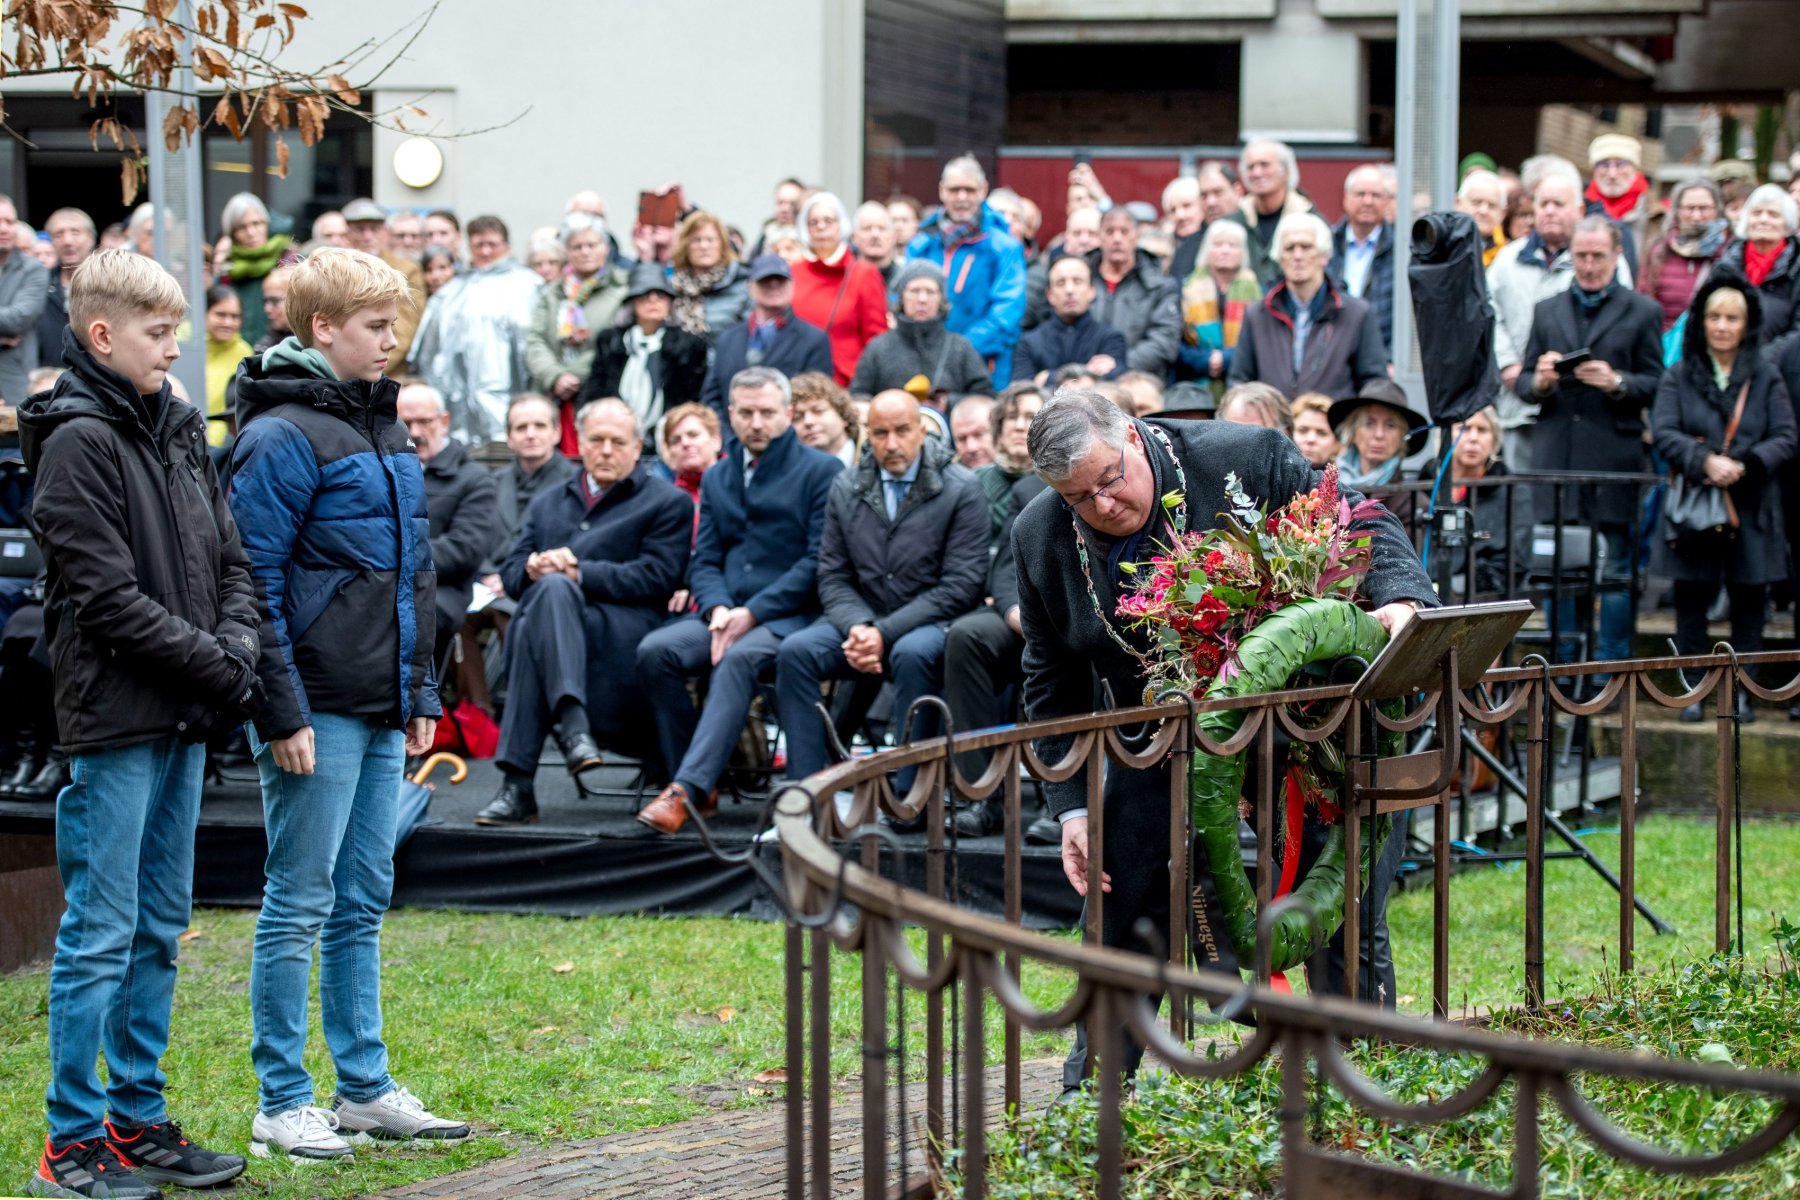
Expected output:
(762, 513)
(904, 553)
(771, 336)
(536, 468)
(459, 496)
(593, 571)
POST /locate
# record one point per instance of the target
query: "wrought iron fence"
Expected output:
(836, 896)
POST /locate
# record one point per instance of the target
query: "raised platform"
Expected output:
(585, 856)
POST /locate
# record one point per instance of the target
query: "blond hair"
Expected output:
(115, 285)
(335, 283)
(1317, 402)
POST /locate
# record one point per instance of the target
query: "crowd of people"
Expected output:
(747, 470)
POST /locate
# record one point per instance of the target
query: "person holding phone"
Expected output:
(1591, 415)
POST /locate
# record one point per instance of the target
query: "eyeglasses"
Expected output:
(1107, 489)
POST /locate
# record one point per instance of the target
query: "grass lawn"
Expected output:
(540, 1029)
(536, 1029)
(1581, 913)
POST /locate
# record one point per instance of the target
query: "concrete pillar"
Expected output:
(1301, 80)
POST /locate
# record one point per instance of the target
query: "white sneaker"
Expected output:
(305, 1134)
(395, 1115)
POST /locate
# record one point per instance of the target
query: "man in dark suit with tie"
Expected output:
(771, 336)
(593, 570)
(752, 575)
(904, 553)
(1591, 414)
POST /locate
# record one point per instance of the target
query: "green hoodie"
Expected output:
(288, 352)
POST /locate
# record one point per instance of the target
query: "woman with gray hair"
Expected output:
(570, 313)
(1306, 335)
(254, 253)
(1767, 253)
(833, 289)
(1675, 263)
(1214, 299)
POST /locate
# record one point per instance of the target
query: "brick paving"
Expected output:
(740, 1154)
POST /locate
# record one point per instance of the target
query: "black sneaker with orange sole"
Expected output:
(163, 1154)
(90, 1168)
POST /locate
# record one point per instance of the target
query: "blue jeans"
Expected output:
(915, 663)
(330, 876)
(125, 847)
(697, 743)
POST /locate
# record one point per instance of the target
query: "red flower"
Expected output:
(1214, 562)
(1210, 614)
(1327, 491)
(1206, 659)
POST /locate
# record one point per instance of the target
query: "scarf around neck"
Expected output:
(571, 316)
(637, 386)
(1618, 207)
(691, 289)
(1757, 264)
(1704, 242)
(1352, 474)
(954, 232)
(256, 262)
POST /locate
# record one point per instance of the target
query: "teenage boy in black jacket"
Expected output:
(153, 637)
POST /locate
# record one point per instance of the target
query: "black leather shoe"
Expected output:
(50, 779)
(1690, 715)
(904, 825)
(1045, 831)
(514, 804)
(29, 764)
(981, 818)
(1746, 711)
(580, 753)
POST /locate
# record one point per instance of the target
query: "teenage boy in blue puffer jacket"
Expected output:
(331, 499)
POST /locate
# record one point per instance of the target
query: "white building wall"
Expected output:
(614, 95)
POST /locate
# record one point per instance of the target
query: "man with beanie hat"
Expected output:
(1618, 188)
(919, 347)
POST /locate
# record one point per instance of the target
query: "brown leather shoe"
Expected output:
(667, 813)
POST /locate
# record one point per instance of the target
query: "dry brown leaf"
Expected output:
(756, 1091)
(725, 1015)
(772, 1075)
(545, 1029)
(564, 968)
(190, 935)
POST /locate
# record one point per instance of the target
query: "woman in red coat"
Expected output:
(835, 290)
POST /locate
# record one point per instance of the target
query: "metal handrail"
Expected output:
(853, 906)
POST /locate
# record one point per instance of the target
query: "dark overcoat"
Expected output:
(797, 348)
(632, 546)
(1689, 422)
(1581, 428)
(927, 566)
(1066, 643)
(459, 497)
(758, 543)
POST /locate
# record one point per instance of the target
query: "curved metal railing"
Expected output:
(842, 900)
